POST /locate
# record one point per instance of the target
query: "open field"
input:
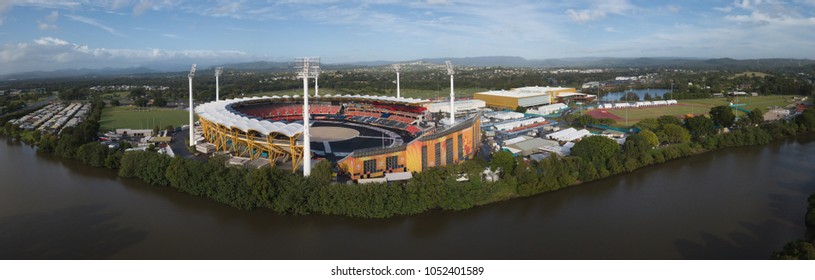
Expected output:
(700, 106)
(141, 118)
(405, 92)
(115, 95)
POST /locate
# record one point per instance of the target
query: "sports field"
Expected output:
(141, 118)
(696, 107)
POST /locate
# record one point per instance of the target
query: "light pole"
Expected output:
(316, 84)
(218, 71)
(192, 125)
(309, 67)
(451, 72)
(396, 67)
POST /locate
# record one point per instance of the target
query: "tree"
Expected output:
(160, 102)
(137, 92)
(585, 120)
(636, 145)
(806, 120)
(700, 127)
(674, 134)
(756, 116)
(115, 102)
(631, 96)
(596, 149)
(141, 102)
(520, 109)
(652, 138)
(649, 124)
(504, 161)
(796, 250)
(722, 116)
(666, 119)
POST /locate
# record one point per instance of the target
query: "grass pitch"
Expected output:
(141, 118)
(701, 107)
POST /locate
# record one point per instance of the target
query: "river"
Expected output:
(740, 203)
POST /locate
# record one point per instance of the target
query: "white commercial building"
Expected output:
(462, 106)
(548, 109)
(504, 115)
(517, 124)
(568, 135)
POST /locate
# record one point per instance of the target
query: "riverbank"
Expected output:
(436, 188)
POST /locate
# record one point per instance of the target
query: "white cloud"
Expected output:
(599, 10)
(52, 17)
(93, 22)
(171, 36)
(50, 41)
(585, 15)
(725, 9)
(45, 26)
(226, 9)
(49, 53)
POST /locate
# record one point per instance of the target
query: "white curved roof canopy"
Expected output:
(221, 113)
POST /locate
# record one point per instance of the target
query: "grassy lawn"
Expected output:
(141, 118)
(702, 106)
(405, 92)
(115, 95)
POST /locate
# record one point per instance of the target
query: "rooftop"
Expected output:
(524, 91)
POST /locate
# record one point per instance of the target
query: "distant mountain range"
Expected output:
(483, 61)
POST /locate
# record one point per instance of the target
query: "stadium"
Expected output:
(366, 136)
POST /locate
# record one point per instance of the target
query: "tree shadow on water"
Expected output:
(79, 232)
(756, 244)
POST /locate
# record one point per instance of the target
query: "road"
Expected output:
(179, 145)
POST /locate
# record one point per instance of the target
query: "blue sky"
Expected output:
(49, 35)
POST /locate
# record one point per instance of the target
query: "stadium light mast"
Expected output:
(397, 67)
(192, 125)
(218, 71)
(309, 67)
(451, 72)
(316, 84)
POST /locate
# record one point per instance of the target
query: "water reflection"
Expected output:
(79, 232)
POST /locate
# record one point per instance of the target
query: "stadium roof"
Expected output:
(221, 112)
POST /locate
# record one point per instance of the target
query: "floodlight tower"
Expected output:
(309, 67)
(396, 67)
(316, 80)
(451, 72)
(192, 125)
(218, 71)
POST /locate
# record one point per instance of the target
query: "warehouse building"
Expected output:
(462, 107)
(526, 97)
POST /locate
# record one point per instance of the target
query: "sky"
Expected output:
(49, 35)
